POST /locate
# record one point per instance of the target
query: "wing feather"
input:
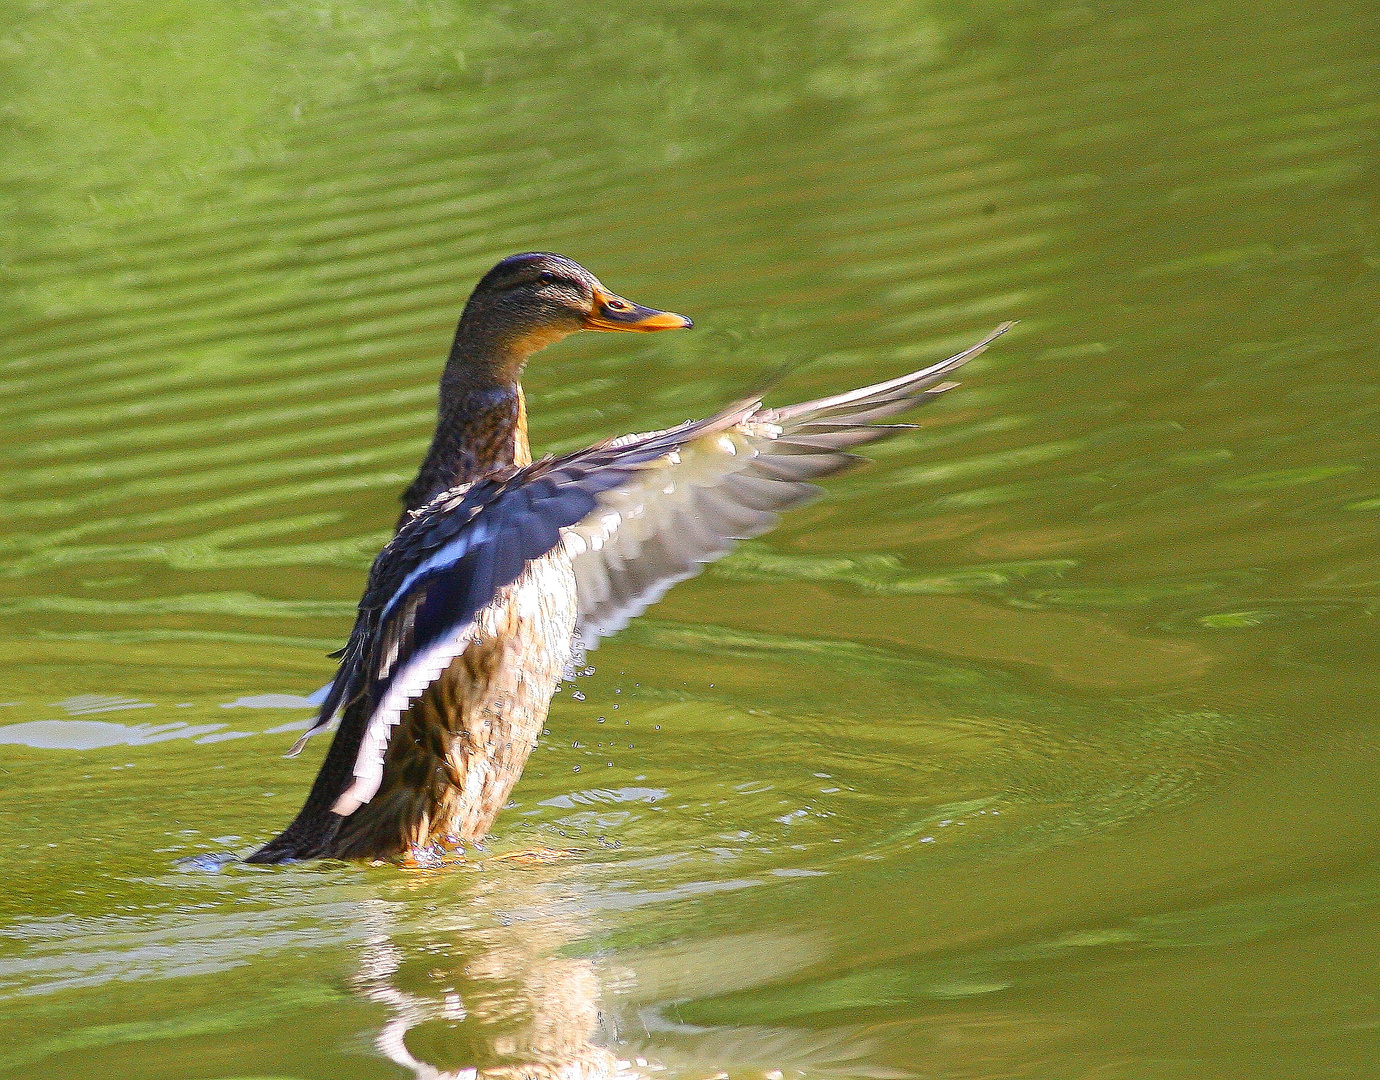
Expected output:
(724, 483)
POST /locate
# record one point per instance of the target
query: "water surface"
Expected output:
(1042, 748)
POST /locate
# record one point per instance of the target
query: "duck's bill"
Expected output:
(614, 313)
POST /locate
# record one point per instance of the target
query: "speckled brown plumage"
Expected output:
(478, 433)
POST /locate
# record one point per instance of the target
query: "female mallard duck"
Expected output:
(501, 565)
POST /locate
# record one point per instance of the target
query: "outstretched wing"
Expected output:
(687, 508)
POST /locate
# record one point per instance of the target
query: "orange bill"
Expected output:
(612, 312)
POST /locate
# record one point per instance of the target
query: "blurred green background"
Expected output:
(1043, 748)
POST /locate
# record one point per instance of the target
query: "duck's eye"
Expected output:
(616, 305)
(546, 276)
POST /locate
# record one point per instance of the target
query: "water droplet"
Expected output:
(577, 695)
(601, 719)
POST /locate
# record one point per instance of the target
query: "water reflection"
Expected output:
(485, 982)
(495, 1002)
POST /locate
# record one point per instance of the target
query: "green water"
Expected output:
(1043, 748)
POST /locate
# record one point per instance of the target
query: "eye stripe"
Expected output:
(546, 277)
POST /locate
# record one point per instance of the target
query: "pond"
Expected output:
(1042, 747)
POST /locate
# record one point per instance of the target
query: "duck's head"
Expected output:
(529, 301)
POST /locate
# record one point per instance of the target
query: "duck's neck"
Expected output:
(481, 427)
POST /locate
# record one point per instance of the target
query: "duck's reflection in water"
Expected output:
(474, 968)
(475, 983)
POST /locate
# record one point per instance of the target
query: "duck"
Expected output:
(504, 570)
